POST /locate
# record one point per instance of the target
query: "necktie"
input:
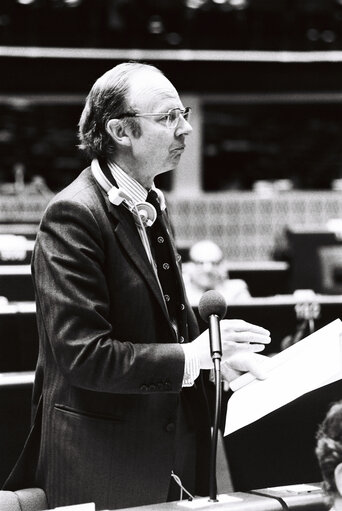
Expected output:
(167, 269)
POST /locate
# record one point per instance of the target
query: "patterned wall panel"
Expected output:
(22, 208)
(247, 226)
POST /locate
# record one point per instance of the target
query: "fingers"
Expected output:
(239, 325)
(245, 341)
(236, 336)
(246, 337)
(228, 373)
(232, 347)
(242, 332)
(245, 361)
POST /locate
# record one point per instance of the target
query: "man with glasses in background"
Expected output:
(118, 400)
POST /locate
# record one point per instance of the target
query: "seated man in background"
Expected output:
(329, 454)
(206, 270)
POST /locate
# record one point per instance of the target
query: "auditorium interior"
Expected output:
(261, 177)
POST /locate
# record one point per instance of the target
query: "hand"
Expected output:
(237, 336)
(245, 361)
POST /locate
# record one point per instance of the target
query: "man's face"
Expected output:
(208, 275)
(158, 149)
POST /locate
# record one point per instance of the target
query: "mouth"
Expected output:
(179, 148)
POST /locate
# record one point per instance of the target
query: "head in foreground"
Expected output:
(329, 454)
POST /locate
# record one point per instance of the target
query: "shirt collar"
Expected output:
(131, 186)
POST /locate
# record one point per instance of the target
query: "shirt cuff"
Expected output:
(191, 365)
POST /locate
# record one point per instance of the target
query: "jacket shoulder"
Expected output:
(82, 188)
(84, 193)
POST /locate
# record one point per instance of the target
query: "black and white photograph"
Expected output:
(171, 255)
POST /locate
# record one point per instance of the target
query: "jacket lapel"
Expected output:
(127, 234)
(124, 228)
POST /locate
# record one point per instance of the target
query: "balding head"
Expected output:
(107, 100)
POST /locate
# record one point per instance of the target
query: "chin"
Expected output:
(176, 157)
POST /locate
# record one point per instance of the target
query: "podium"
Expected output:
(279, 449)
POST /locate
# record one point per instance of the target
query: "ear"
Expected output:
(118, 132)
(338, 478)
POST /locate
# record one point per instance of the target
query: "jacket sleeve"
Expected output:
(68, 268)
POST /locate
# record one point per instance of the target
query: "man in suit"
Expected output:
(118, 399)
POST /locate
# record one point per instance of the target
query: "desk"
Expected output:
(244, 502)
(15, 404)
(277, 314)
(16, 282)
(19, 337)
(307, 497)
(264, 278)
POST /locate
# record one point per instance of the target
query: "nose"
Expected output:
(208, 266)
(183, 127)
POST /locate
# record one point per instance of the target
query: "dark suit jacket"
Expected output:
(109, 372)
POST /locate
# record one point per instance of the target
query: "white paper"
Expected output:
(307, 365)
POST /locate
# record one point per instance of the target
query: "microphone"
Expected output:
(212, 308)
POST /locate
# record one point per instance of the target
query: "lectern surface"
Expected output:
(297, 497)
(308, 497)
(239, 502)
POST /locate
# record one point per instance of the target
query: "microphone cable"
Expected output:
(177, 479)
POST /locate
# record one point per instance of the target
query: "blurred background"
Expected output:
(261, 177)
(263, 78)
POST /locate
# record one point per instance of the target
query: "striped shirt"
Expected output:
(131, 186)
(138, 193)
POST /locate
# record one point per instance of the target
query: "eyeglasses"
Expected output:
(171, 118)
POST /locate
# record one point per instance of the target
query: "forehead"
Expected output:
(149, 90)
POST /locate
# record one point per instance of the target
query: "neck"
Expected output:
(145, 181)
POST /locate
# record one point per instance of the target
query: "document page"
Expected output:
(307, 365)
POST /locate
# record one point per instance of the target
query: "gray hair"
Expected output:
(107, 100)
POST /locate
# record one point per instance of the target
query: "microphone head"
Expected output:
(212, 302)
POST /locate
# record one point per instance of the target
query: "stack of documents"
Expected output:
(307, 365)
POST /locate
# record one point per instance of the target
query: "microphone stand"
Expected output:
(215, 341)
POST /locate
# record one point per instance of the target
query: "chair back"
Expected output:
(28, 499)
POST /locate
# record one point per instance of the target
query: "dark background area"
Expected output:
(45, 78)
(198, 24)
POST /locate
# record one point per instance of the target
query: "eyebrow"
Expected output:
(170, 101)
